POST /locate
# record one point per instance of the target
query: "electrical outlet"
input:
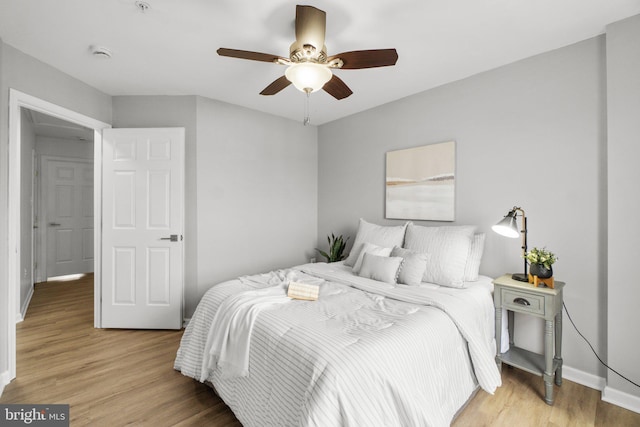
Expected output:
(312, 259)
(24, 273)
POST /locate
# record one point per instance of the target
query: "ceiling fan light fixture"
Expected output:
(308, 76)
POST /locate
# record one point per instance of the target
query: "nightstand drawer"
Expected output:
(523, 302)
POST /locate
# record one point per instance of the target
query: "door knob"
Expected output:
(172, 238)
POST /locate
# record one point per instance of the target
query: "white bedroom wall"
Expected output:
(257, 192)
(531, 134)
(623, 71)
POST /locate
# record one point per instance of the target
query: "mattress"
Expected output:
(365, 353)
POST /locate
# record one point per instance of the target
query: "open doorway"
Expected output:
(18, 216)
(57, 192)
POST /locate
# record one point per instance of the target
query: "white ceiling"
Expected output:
(171, 48)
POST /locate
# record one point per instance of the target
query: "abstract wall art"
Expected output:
(420, 183)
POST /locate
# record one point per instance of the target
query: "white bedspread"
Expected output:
(363, 354)
(229, 340)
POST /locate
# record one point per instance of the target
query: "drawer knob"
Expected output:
(521, 301)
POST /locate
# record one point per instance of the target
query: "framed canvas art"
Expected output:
(421, 182)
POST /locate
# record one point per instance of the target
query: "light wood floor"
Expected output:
(126, 377)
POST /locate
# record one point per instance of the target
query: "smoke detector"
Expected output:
(100, 52)
(142, 6)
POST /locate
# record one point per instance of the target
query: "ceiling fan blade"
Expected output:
(246, 54)
(276, 86)
(337, 88)
(366, 58)
(310, 26)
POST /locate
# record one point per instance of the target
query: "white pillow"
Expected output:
(372, 249)
(413, 266)
(380, 268)
(385, 236)
(472, 269)
(449, 249)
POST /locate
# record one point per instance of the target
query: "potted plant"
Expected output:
(541, 261)
(336, 248)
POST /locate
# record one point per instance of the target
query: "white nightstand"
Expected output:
(523, 297)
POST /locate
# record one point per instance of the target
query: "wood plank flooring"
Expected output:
(126, 377)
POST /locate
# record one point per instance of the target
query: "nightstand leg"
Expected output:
(498, 328)
(548, 358)
(511, 327)
(558, 357)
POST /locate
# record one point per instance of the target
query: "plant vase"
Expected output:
(541, 271)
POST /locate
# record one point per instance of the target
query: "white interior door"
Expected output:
(143, 211)
(69, 217)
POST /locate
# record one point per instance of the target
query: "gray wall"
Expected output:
(531, 134)
(257, 192)
(623, 81)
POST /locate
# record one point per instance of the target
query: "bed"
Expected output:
(372, 350)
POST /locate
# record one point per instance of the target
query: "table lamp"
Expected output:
(508, 227)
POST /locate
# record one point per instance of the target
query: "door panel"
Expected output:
(69, 217)
(143, 204)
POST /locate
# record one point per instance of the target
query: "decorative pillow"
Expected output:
(372, 249)
(472, 269)
(385, 236)
(380, 268)
(449, 249)
(413, 266)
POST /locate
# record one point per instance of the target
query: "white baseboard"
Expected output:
(583, 378)
(622, 399)
(4, 380)
(610, 395)
(25, 305)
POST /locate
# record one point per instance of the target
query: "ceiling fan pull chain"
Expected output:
(307, 119)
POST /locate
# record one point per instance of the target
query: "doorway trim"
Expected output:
(19, 100)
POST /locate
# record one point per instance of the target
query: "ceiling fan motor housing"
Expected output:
(304, 52)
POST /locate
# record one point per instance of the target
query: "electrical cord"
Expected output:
(594, 351)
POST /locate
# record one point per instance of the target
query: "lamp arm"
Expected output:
(524, 236)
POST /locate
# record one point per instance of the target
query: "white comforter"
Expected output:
(364, 354)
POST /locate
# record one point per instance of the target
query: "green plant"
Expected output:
(541, 256)
(336, 247)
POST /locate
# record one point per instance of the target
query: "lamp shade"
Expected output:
(308, 76)
(508, 226)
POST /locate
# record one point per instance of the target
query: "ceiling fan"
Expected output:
(309, 67)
